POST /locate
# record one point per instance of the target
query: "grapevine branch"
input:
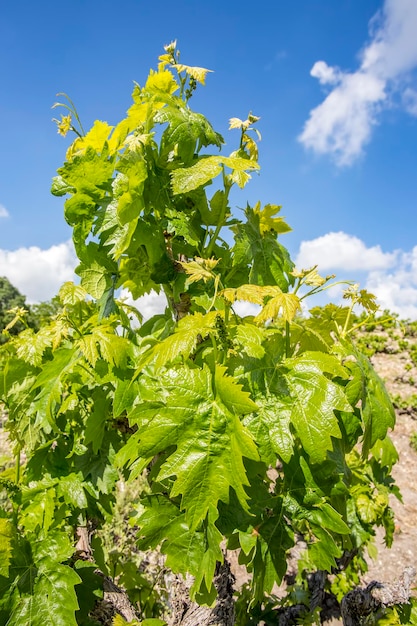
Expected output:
(359, 603)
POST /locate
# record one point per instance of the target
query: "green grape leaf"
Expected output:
(182, 342)
(203, 582)
(325, 516)
(125, 395)
(42, 592)
(39, 504)
(270, 427)
(195, 552)
(210, 217)
(6, 535)
(60, 188)
(95, 279)
(231, 394)
(103, 341)
(53, 600)
(269, 263)
(186, 130)
(96, 420)
(211, 441)
(324, 551)
(30, 346)
(71, 487)
(376, 407)
(309, 338)
(54, 546)
(199, 174)
(315, 398)
(207, 168)
(128, 188)
(50, 383)
(164, 524)
(250, 339)
(88, 173)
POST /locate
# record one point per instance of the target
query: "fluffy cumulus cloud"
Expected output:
(397, 289)
(38, 274)
(391, 276)
(3, 211)
(342, 124)
(342, 251)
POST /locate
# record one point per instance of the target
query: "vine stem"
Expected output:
(220, 224)
(346, 324)
(17, 476)
(287, 340)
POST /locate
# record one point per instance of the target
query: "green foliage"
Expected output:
(13, 310)
(16, 315)
(246, 430)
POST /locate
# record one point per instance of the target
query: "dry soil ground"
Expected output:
(400, 380)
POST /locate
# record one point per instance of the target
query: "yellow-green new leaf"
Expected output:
(6, 534)
(30, 346)
(95, 138)
(310, 277)
(286, 303)
(162, 81)
(207, 168)
(267, 221)
(250, 293)
(182, 342)
(94, 279)
(71, 293)
(199, 269)
(198, 73)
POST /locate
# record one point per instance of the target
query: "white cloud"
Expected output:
(38, 274)
(326, 75)
(151, 304)
(342, 124)
(335, 251)
(3, 211)
(391, 276)
(397, 290)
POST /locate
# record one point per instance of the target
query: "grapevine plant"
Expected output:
(244, 432)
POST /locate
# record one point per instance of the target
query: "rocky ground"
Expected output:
(400, 376)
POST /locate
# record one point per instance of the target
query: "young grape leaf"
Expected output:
(211, 441)
(164, 524)
(267, 221)
(182, 342)
(376, 406)
(6, 535)
(42, 591)
(270, 428)
(207, 168)
(269, 263)
(315, 398)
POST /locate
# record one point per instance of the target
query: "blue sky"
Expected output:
(335, 86)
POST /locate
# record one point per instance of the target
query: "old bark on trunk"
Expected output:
(359, 603)
(188, 613)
